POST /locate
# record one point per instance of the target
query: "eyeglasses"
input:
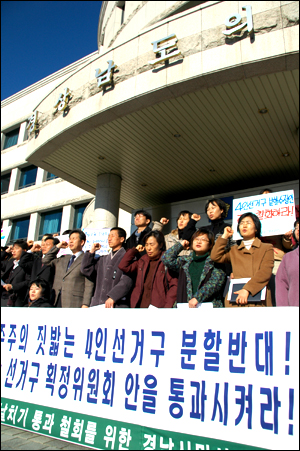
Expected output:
(245, 223)
(139, 214)
(201, 239)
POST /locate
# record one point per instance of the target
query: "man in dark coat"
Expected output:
(142, 220)
(112, 286)
(39, 269)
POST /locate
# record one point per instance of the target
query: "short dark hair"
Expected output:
(256, 221)
(22, 243)
(82, 235)
(55, 240)
(66, 232)
(121, 232)
(158, 236)
(46, 287)
(145, 213)
(204, 231)
(184, 212)
(265, 189)
(221, 204)
(49, 235)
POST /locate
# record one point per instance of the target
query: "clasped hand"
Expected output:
(242, 297)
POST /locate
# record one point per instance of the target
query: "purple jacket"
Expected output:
(287, 280)
(111, 282)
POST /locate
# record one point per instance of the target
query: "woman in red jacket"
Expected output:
(154, 284)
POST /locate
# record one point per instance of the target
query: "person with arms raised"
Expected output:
(186, 227)
(154, 285)
(250, 259)
(72, 289)
(202, 279)
(15, 274)
(111, 284)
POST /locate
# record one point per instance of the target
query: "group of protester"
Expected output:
(188, 265)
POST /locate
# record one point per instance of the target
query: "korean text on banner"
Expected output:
(276, 212)
(154, 379)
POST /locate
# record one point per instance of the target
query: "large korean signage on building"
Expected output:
(153, 379)
(164, 48)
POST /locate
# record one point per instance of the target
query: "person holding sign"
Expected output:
(251, 259)
(202, 279)
(154, 285)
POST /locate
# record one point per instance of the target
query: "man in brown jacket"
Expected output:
(72, 289)
(251, 259)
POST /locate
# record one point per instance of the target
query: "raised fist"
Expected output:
(185, 244)
(164, 221)
(196, 217)
(35, 248)
(62, 244)
(228, 232)
(95, 247)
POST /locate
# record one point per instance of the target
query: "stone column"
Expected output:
(14, 180)
(107, 201)
(67, 218)
(34, 225)
(22, 133)
(40, 176)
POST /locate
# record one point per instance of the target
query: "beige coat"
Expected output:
(256, 263)
(170, 239)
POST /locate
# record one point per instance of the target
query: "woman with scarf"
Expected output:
(216, 210)
(186, 227)
(200, 279)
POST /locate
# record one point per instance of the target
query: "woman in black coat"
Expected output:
(15, 274)
(39, 294)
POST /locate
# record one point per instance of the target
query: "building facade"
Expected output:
(184, 101)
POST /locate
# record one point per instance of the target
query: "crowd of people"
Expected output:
(190, 265)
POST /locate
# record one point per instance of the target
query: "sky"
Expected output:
(41, 37)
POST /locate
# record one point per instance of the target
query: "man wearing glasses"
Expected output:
(142, 220)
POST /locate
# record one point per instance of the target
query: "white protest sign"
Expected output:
(4, 235)
(97, 236)
(276, 212)
(153, 378)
